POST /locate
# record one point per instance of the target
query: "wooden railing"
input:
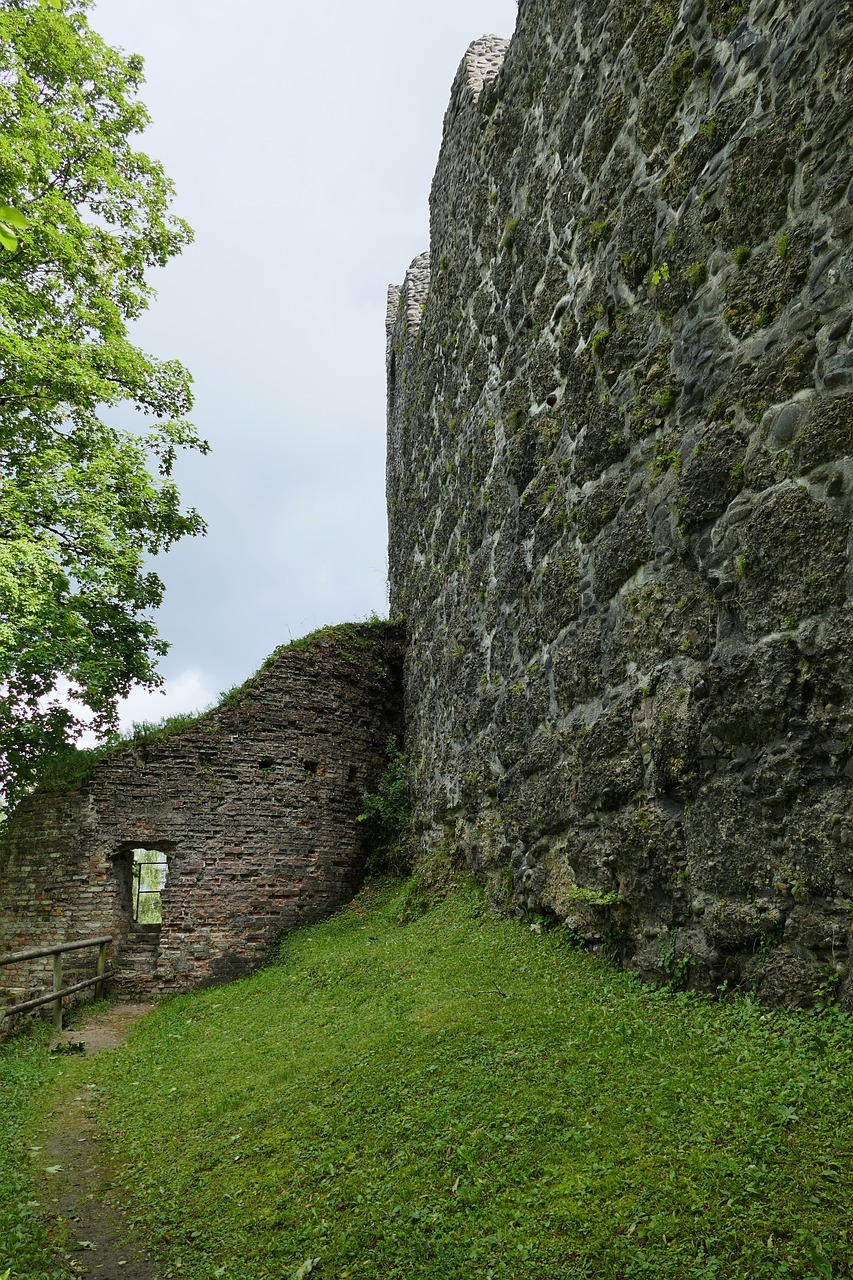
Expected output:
(55, 997)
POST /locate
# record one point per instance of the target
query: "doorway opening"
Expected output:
(149, 872)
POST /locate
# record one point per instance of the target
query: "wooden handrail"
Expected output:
(40, 1000)
(55, 997)
(37, 952)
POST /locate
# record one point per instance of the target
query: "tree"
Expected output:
(82, 501)
(11, 221)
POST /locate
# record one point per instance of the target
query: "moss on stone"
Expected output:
(826, 432)
(726, 14)
(607, 560)
(653, 32)
(765, 282)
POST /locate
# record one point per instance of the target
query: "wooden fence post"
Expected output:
(102, 964)
(57, 986)
(54, 997)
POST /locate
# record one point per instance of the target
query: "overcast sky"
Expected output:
(302, 140)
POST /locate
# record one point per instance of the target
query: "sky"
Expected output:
(301, 139)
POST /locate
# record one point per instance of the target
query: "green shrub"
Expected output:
(386, 815)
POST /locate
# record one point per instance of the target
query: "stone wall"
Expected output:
(620, 482)
(255, 804)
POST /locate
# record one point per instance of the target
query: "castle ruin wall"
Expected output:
(620, 485)
(255, 806)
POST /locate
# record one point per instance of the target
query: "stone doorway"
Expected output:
(144, 871)
(149, 872)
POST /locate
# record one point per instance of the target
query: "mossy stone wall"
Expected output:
(620, 484)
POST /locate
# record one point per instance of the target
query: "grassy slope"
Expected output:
(374, 1102)
(461, 1097)
(25, 1068)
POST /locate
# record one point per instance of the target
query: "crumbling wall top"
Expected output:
(482, 62)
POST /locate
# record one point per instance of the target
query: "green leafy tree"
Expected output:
(11, 221)
(82, 501)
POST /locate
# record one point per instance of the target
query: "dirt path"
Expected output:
(77, 1190)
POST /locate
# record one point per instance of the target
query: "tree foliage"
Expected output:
(83, 502)
(11, 222)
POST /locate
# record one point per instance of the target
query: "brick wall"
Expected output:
(255, 803)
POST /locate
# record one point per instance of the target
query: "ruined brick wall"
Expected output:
(255, 804)
(620, 484)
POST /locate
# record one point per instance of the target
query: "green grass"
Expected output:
(465, 1097)
(25, 1068)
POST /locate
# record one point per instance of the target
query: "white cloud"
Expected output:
(184, 693)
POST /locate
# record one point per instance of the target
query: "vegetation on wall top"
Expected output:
(70, 766)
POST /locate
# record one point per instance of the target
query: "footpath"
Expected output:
(75, 1188)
